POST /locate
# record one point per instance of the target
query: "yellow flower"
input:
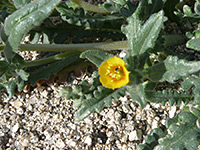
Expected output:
(113, 73)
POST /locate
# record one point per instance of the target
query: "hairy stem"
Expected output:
(117, 45)
(89, 7)
(50, 59)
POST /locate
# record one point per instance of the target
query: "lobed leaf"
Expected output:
(181, 134)
(97, 103)
(80, 17)
(149, 33)
(151, 140)
(171, 96)
(192, 82)
(142, 38)
(172, 69)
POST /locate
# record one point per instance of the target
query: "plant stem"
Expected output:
(89, 7)
(106, 46)
(50, 59)
(117, 45)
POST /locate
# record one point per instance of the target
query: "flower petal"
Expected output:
(113, 73)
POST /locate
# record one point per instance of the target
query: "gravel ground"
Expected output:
(41, 119)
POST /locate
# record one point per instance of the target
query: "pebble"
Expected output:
(88, 140)
(60, 143)
(172, 111)
(15, 128)
(135, 135)
(17, 104)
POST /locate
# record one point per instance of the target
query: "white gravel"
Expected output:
(41, 119)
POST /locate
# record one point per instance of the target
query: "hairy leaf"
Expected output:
(137, 94)
(142, 38)
(168, 96)
(102, 96)
(122, 7)
(181, 134)
(96, 57)
(172, 69)
(23, 20)
(91, 97)
(194, 44)
(132, 30)
(151, 140)
(20, 3)
(23, 75)
(3, 67)
(10, 87)
(192, 82)
(149, 33)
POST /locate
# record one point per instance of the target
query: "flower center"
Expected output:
(115, 72)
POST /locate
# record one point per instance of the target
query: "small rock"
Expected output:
(17, 104)
(135, 135)
(24, 142)
(125, 147)
(60, 143)
(88, 140)
(44, 93)
(110, 114)
(72, 143)
(118, 116)
(15, 128)
(154, 124)
(172, 112)
(124, 138)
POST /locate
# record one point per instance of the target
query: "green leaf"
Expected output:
(187, 10)
(20, 3)
(172, 69)
(194, 44)
(171, 96)
(23, 20)
(193, 83)
(137, 94)
(20, 84)
(197, 8)
(142, 38)
(97, 101)
(149, 33)
(10, 87)
(3, 67)
(195, 111)
(151, 140)
(24, 75)
(45, 72)
(132, 30)
(181, 134)
(169, 9)
(96, 57)
(80, 17)
(150, 7)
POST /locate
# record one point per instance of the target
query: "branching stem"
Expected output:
(68, 49)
